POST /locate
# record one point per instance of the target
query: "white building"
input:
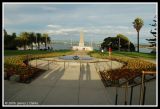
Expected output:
(81, 45)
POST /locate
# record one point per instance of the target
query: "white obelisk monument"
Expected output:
(81, 44)
(81, 41)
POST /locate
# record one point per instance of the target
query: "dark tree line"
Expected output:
(9, 41)
(24, 39)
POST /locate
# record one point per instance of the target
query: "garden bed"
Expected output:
(17, 67)
(22, 74)
(131, 69)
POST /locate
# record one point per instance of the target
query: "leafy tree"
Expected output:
(137, 24)
(5, 33)
(6, 39)
(13, 41)
(132, 47)
(123, 41)
(114, 43)
(14, 35)
(152, 41)
(9, 41)
(121, 36)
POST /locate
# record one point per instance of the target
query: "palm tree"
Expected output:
(45, 39)
(32, 39)
(39, 39)
(24, 38)
(19, 41)
(137, 24)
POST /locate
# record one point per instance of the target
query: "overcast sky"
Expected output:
(65, 21)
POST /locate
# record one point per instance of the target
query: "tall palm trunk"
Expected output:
(138, 23)
(38, 46)
(45, 45)
(24, 45)
(138, 41)
(32, 46)
(46, 42)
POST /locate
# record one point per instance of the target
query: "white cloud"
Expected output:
(94, 20)
(54, 26)
(64, 31)
(88, 30)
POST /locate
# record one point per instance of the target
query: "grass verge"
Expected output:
(98, 54)
(25, 52)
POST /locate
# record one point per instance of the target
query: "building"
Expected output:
(81, 45)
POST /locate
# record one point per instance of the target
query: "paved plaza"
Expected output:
(69, 83)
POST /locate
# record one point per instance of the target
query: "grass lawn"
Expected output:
(135, 55)
(25, 52)
(123, 54)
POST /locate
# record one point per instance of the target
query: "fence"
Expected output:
(142, 88)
